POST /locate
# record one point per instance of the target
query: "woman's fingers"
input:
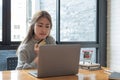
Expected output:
(36, 45)
(36, 48)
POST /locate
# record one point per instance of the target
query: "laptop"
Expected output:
(114, 76)
(57, 60)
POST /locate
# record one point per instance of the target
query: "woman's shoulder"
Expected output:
(21, 49)
(50, 37)
(22, 46)
(50, 40)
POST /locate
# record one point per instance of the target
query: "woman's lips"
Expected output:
(43, 34)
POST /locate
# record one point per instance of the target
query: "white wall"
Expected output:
(113, 35)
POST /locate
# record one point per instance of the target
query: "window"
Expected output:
(18, 20)
(78, 20)
(74, 22)
(0, 20)
(21, 16)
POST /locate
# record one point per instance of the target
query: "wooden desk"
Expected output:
(83, 75)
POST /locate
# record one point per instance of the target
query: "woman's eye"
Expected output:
(39, 25)
(47, 26)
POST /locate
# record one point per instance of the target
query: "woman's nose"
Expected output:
(43, 29)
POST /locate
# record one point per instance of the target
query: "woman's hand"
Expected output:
(36, 60)
(36, 48)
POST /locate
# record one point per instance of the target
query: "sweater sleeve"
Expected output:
(22, 61)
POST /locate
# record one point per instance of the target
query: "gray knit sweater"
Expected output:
(26, 53)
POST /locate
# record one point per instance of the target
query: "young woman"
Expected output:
(40, 28)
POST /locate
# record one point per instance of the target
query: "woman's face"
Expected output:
(42, 28)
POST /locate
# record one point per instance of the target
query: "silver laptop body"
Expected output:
(58, 60)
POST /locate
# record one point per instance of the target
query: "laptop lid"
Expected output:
(58, 60)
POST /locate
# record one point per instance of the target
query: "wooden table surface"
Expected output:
(82, 75)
